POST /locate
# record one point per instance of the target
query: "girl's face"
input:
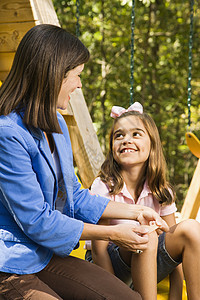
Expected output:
(69, 84)
(131, 142)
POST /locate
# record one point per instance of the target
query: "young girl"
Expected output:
(134, 172)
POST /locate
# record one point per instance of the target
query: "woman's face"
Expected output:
(131, 142)
(69, 84)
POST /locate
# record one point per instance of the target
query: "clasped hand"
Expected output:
(132, 237)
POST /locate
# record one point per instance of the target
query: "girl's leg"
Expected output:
(183, 241)
(73, 278)
(144, 269)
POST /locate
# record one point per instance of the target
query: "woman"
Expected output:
(43, 211)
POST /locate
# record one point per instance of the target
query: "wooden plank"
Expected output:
(13, 11)
(86, 148)
(3, 76)
(6, 59)
(11, 34)
(192, 201)
(43, 12)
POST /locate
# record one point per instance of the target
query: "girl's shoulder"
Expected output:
(99, 187)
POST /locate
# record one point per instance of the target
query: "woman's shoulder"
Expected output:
(14, 132)
(11, 124)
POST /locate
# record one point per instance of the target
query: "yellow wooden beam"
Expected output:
(192, 201)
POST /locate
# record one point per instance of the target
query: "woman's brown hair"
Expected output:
(44, 56)
(155, 169)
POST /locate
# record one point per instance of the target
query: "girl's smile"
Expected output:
(131, 142)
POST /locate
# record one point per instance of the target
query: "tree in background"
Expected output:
(161, 39)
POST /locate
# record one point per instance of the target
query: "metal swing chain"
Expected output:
(132, 51)
(190, 61)
(77, 18)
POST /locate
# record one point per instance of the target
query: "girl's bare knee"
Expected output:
(153, 242)
(189, 229)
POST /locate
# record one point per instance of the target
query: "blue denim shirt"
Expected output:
(31, 229)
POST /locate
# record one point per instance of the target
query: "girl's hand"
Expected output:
(148, 215)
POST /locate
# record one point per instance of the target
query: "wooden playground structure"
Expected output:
(16, 18)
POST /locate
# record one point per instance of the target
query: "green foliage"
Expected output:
(160, 69)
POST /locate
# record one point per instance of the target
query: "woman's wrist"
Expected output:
(97, 232)
(116, 210)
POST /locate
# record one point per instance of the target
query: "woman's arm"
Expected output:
(142, 214)
(128, 236)
(176, 277)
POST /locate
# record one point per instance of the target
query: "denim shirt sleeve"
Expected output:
(88, 207)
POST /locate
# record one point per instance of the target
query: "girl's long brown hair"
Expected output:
(44, 56)
(155, 170)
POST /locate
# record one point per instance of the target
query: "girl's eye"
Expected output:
(136, 134)
(118, 136)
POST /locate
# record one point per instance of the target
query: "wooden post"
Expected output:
(192, 201)
(43, 12)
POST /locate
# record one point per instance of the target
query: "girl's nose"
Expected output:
(127, 139)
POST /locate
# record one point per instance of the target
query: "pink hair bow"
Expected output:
(117, 111)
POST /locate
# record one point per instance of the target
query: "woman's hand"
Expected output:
(130, 237)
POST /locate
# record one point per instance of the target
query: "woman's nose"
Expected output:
(80, 84)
